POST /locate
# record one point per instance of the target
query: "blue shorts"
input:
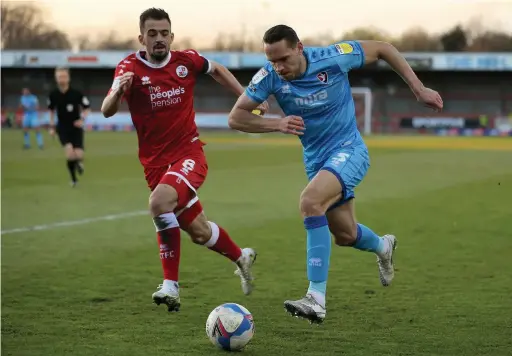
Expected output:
(349, 165)
(30, 120)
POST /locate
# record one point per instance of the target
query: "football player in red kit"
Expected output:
(158, 85)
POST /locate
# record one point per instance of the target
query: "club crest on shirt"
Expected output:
(322, 76)
(181, 71)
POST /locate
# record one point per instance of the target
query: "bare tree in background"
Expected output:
(418, 40)
(219, 44)
(366, 33)
(321, 39)
(182, 44)
(234, 42)
(114, 42)
(491, 41)
(83, 43)
(484, 40)
(455, 40)
(23, 27)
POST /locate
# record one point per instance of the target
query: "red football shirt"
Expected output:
(161, 104)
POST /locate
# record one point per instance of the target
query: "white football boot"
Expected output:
(167, 296)
(307, 308)
(385, 262)
(243, 270)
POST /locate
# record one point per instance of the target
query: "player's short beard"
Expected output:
(159, 57)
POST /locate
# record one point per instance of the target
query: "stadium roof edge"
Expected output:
(438, 61)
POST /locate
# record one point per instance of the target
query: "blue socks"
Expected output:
(26, 139)
(319, 252)
(39, 138)
(367, 240)
(318, 255)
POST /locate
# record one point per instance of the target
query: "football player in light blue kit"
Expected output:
(30, 106)
(311, 86)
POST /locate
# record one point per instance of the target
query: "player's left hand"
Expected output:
(430, 98)
(79, 124)
(263, 107)
(292, 125)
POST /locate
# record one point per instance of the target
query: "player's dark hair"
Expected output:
(279, 33)
(62, 69)
(153, 13)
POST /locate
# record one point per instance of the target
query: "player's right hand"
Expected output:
(430, 98)
(293, 125)
(51, 131)
(125, 81)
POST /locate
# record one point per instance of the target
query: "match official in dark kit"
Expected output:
(72, 107)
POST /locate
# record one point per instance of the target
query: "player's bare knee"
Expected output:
(345, 236)
(162, 200)
(69, 152)
(310, 205)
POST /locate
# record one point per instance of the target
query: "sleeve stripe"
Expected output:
(209, 68)
(363, 55)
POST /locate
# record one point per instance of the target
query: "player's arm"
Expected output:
(375, 50)
(221, 74)
(243, 119)
(120, 86)
(224, 77)
(86, 109)
(111, 103)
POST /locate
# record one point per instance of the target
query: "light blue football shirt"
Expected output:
(29, 103)
(322, 97)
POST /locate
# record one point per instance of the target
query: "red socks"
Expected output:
(169, 241)
(220, 242)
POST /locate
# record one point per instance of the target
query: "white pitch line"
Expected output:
(75, 222)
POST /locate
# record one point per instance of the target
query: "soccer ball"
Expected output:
(230, 326)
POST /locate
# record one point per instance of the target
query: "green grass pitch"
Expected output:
(86, 289)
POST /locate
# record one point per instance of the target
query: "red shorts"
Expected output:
(186, 175)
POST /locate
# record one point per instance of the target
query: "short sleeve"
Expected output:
(84, 101)
(119, 71)
(349, 55)
(260, 87)
(201, 64)
(51, 102)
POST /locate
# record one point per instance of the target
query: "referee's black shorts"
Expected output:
(72, 135)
